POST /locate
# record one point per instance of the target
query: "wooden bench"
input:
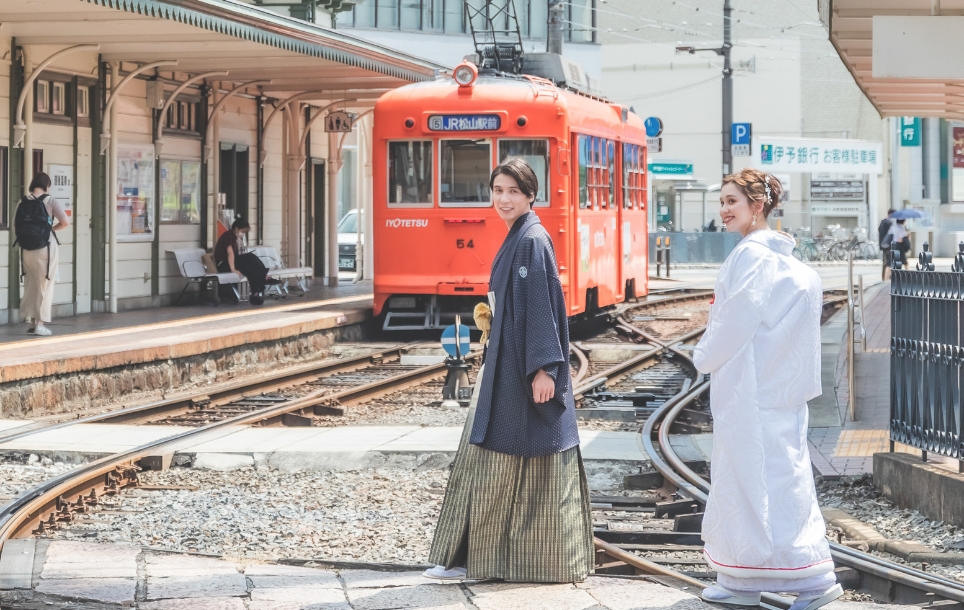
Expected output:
(277, 270)
(197, 267)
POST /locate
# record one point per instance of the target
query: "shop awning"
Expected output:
(213, 35)
(851, 27)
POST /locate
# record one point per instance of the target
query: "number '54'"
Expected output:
(460, 243)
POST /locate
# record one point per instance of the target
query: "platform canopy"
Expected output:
(250, 42)
(904, 54)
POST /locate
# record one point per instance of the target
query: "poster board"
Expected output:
(62, 186)
(135, 193)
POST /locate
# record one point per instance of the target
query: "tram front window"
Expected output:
(536, 154)
(410, 174)
(465, 167)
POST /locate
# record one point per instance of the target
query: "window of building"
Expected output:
(449, 16)
(180, 191)
(181, 116)
(464, 168)
(135, 193)
(58, 98)
(42, 96)
(634, 177)
(83, 101)
(536, 154)
(410, 174)
(596, 164)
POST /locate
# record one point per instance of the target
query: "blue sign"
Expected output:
(448, 340)
(654, 126)
(464, 122)
(740, 133)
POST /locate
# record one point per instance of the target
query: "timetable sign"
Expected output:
(464, 122)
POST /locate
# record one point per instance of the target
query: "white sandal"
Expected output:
(718, 595)
(812, 602)
(440, 573)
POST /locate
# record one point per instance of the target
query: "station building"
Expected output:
(158, 120)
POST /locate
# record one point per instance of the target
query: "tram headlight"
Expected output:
(465, 74)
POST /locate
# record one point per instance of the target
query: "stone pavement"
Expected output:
(313, 448)
(104, 576)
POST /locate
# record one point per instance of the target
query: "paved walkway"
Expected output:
(341, 448)
(79, 574)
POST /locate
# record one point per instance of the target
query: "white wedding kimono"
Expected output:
(763, 530)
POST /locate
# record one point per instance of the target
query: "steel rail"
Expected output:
(223, 393)
(110, 473)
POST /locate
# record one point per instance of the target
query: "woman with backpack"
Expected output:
(35, 229)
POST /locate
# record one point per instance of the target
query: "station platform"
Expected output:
(124, 345)
(846, 446)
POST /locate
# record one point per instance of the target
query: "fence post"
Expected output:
(852, 391)
(860, 305)
(666, 252)
(659, 253)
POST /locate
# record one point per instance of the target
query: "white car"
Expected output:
(347, 238)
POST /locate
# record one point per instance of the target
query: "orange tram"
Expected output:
(436, 232)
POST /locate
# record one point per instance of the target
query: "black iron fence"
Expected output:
(926, 356)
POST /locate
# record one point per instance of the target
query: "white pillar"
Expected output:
(112, 191)
(331, 225)
(931, 142)
(363, 244)
(292, 193)
(28, 169)
(896, 201)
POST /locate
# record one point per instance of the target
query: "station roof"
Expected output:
(250, 42)
(850, 23)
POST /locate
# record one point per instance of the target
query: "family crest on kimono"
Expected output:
(763, 530)
(517, 503)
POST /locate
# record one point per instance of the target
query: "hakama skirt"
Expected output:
(515, 518)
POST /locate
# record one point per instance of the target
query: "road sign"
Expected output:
(654, 145)
(671, 168)
(740, 134)
(910, 131)
(740, 150)
(448, 340)
(654, 126)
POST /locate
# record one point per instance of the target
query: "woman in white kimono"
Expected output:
(763, 530)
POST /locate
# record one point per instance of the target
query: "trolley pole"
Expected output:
(727, 90)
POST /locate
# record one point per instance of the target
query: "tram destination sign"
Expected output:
(464, 122)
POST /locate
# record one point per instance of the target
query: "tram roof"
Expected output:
(250, 42)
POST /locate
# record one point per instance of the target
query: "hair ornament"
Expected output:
(766, 178)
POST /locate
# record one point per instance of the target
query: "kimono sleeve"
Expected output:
(543, 346)
(734, 322)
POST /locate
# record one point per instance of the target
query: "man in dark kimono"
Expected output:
(517, 503)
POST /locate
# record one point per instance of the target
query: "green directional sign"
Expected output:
(670, 168)
(910, 131)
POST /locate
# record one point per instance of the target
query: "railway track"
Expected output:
(617, 551)
(253, 402)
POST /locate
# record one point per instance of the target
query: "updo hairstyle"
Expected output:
(753, 184)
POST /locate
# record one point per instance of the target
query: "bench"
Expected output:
(277, 270)
(193, 267)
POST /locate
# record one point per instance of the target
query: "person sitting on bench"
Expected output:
(228, 260)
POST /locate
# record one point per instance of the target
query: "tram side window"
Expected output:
(464, 171)
(536, 154)
(410, 174)
(596, 166)
(634, 176)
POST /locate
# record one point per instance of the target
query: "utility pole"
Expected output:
(557, 21)
(727, 90)
(724, 52)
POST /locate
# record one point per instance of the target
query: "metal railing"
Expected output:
(926, 356)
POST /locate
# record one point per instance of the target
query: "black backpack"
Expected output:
(32, 223)
(32, 226)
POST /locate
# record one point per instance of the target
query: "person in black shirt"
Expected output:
(229, 260)
(882, 229)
